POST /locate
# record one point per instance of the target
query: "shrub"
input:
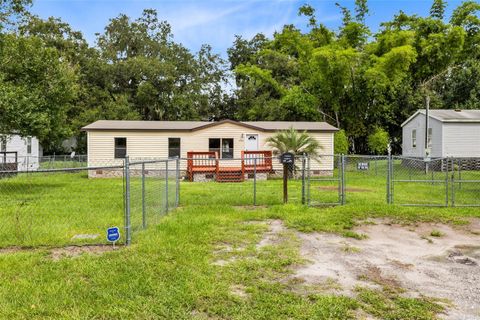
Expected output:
(378, 141)
(340, 142)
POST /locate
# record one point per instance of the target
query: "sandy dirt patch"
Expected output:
(272, 236)
(444, 266)
(226, 253)
(76, 251)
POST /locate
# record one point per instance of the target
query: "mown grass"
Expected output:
(170, 272)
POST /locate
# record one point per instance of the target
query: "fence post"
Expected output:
(388, 178)
(303, 178)
(128, 236)
(446, 185)
(177, 183)
(255, 181)
(392, 180)
(453, 182)
(144, 216)
(166, 186)
(308, 180)
(343, 180)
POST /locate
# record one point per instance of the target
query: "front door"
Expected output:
(251, 142)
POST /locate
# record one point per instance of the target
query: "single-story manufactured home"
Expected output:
(23, 153)
(452, 133)
(110, 141)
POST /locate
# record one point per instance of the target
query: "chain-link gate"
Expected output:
(325, 180)
(365, 179)
(415, 182)
(465, 182)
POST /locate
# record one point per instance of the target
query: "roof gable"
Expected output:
(201, 125)
(448, 115)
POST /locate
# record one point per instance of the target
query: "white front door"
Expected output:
(251, 142)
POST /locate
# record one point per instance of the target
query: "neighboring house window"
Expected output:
(429, 141)
(3, 144)
(414, 138)
(173, 147)
(29, 145)
(224, 147)
(120, 148)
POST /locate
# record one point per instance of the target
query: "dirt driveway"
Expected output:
(434, 260)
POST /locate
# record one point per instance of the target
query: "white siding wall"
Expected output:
(15, 143)
(461, 140)
(418, 123)
(154, 144)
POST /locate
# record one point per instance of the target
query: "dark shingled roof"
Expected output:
(198, 125)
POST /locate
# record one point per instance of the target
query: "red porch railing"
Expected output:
(260, 160)
(205, 162)
(201, 162)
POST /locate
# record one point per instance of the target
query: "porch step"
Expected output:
(230, 176)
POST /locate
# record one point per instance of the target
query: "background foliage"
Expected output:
(52, 82)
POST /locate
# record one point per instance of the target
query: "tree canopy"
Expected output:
(52, 82)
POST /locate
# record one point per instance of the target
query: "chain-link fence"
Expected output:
(22, 163)
(416, 182)
(255, 179)
(436, 182)
(325, 180)
(56, 206)
(75, 206)
(465, 181)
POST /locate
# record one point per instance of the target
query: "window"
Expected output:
(3, 144)
(227, 148)
(224, 147)
(214, 145)
(120, 148)
(414, 138)
(29, 145)
(429, 140)
(173, 147)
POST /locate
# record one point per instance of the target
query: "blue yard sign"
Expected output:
(113, 234)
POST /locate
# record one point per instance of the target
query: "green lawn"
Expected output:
(169, 272)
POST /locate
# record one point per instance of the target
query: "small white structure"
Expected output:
(452, 133)
(26, 151)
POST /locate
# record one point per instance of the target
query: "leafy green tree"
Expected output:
(291, 140)
(378, 141)
(340, 142)
(162, 79)
(11, 11)
(37, 89)
(438, 9)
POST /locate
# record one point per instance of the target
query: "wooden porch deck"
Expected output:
(207, 162)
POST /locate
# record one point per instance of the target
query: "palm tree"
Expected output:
(293, 141)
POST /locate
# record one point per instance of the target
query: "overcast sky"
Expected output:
(217, 21)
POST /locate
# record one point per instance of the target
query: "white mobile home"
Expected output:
(112, 140)
(25, 151)
(452, 133)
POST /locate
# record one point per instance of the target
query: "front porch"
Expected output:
(206, 166)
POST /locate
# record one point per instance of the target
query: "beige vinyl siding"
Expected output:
(154, 144)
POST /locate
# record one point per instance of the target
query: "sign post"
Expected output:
(288, 160)
(113, 235)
